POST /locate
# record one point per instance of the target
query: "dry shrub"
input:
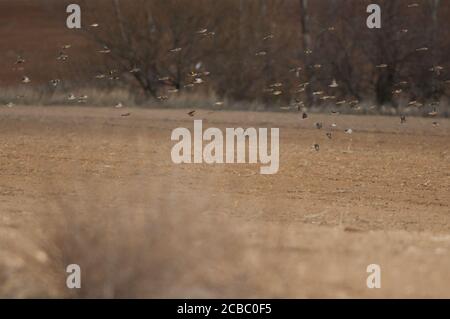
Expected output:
(164, 245)
(24, 267)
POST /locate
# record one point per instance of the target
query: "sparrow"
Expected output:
(402, 119)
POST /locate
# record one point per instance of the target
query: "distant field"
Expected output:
(379, 195)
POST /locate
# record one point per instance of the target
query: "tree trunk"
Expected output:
(120, 20)
(306, 45)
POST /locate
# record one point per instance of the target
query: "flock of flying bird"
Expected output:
(275, 89)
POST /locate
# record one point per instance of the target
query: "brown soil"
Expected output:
(380, 195)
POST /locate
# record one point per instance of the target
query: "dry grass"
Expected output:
(150, 249)
(45, 96)
(24, 95)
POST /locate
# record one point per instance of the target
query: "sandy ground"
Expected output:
(378, 196)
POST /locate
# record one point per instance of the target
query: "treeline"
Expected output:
(295, 52)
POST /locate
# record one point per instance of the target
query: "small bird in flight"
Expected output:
(62, 56)
(55, 82)
(334, 84)
(25, 79)
(105, 50)
(20, 60)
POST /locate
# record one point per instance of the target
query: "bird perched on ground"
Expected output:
(402, 119)
(191, 113)
(433, 113)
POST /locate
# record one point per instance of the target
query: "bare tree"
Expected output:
(240, 48)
